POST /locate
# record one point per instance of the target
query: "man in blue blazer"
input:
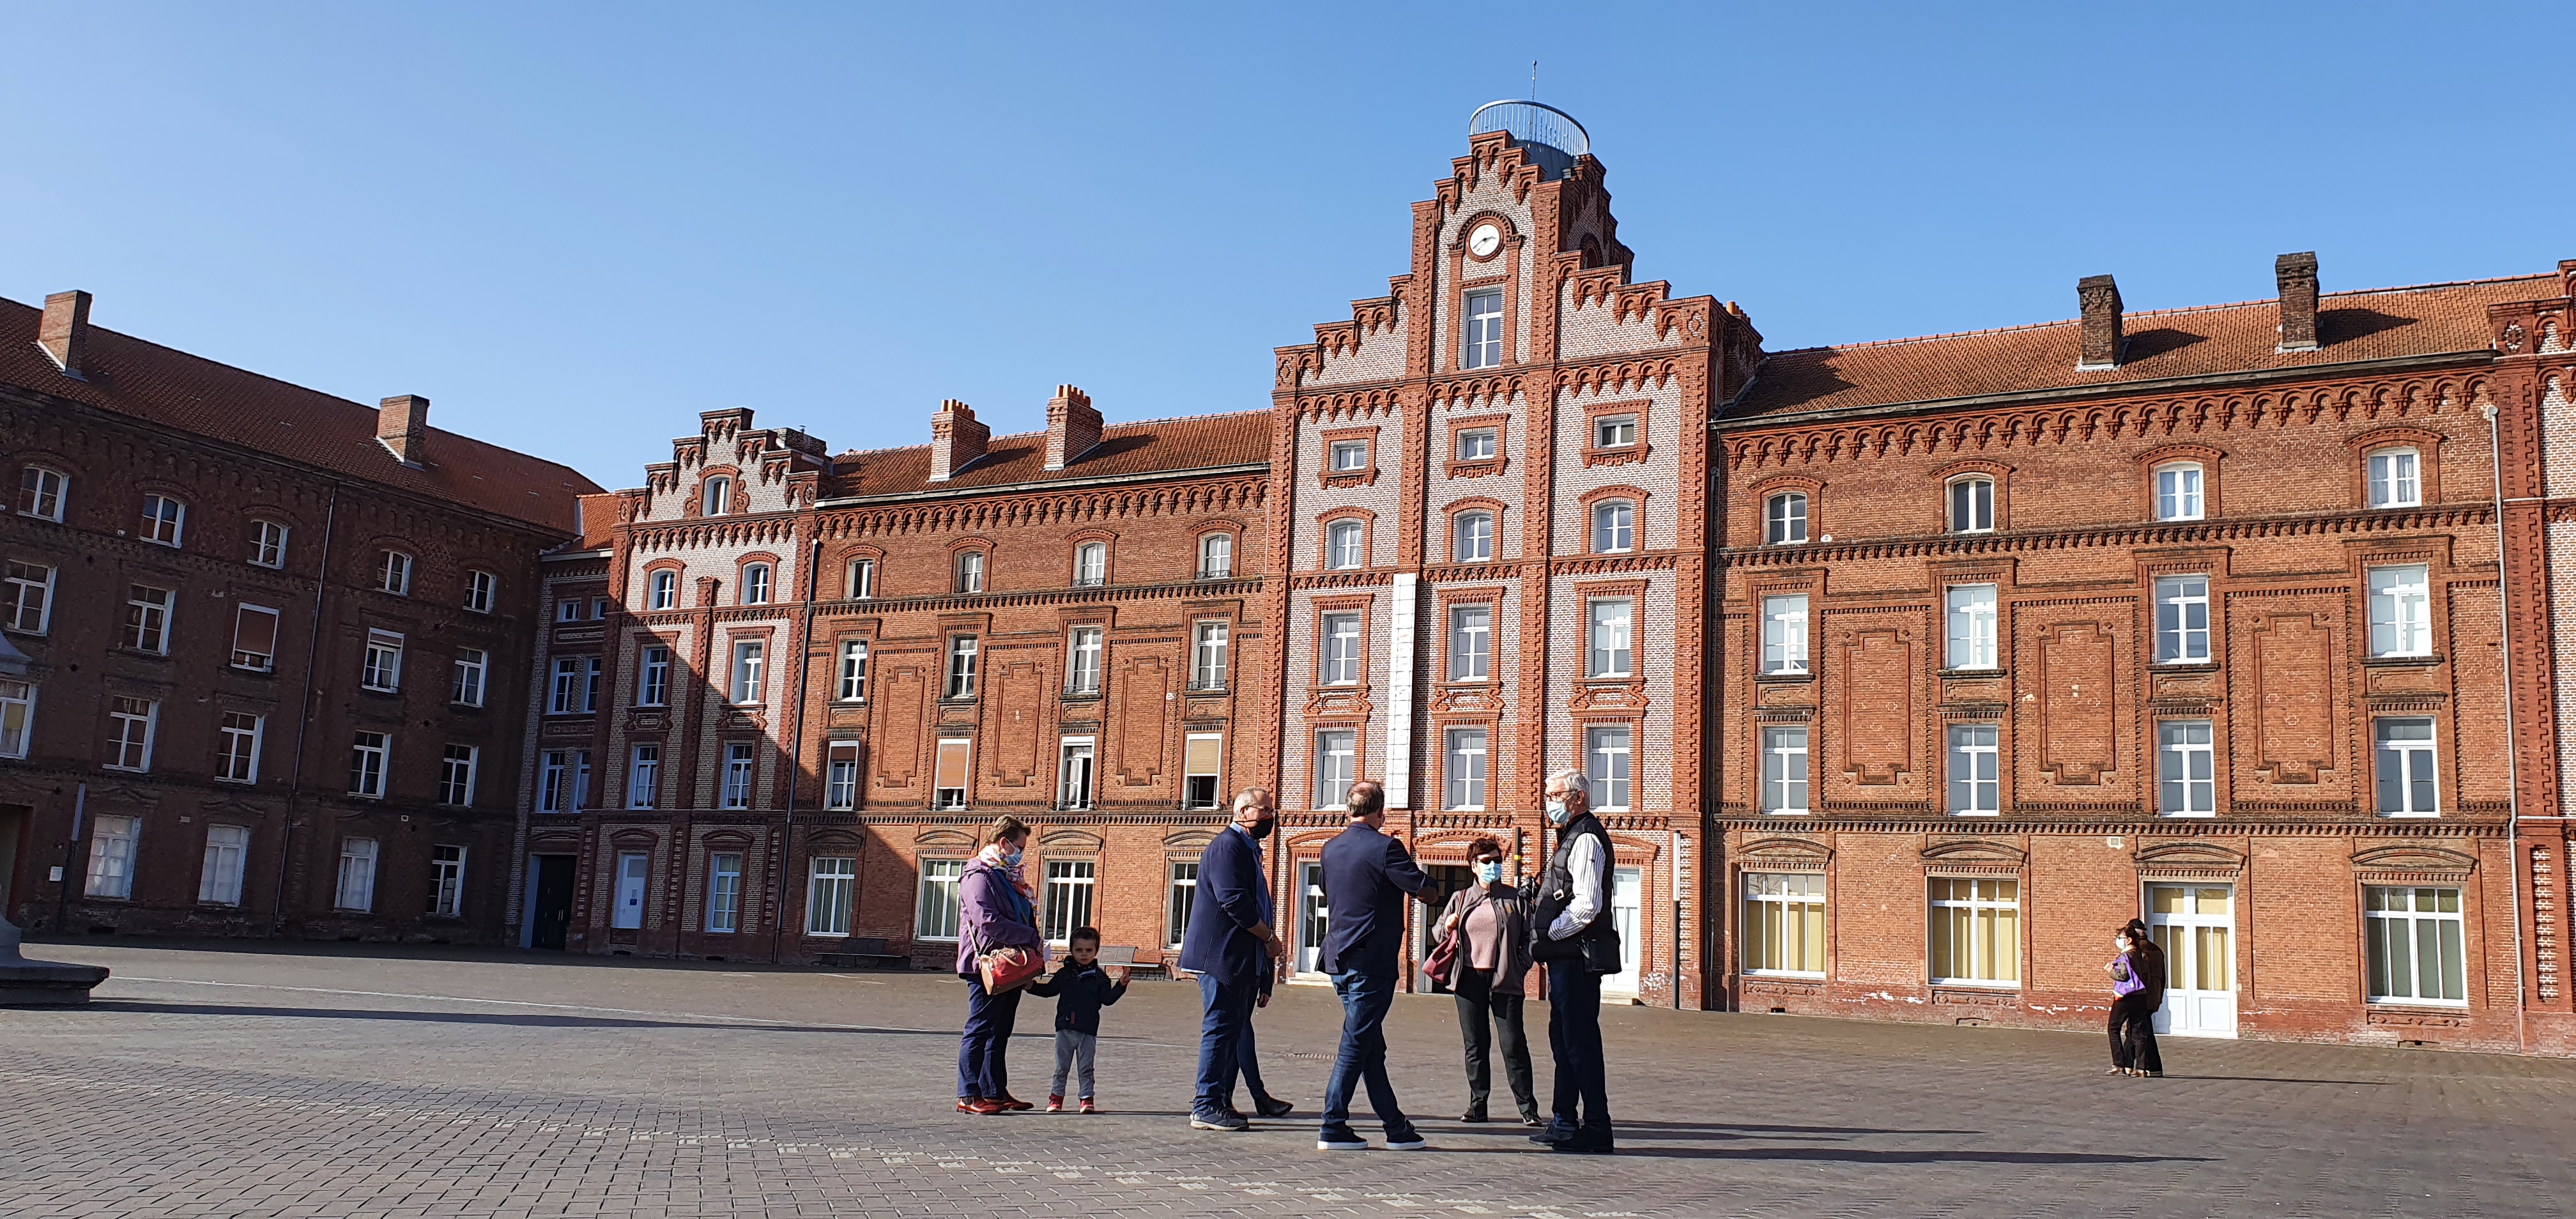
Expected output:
(1234, 951)
(1367, 876)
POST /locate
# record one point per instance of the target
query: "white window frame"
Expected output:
(662, 590)
(1070, 895)
(860, 579)
(1967, 509)
(1478, 444)
(393, 573)
(841, 775)
(1986, 908)
(936, 914)
(1609, 770)
(219, 874)
(2178, 642)
(1609, 638)
(2394, 477)
(2401, 610)
(148, 611)
(1784, 634)
(17, 716)
(563, 691)
(1614, 527)
(653, 687)
(740, 758)
(131, 745)
(724, 893)
(1614, 432)
(456, 775)
(473, 669)
(715, 496)
(1348, 456)
(237, 746)
(750, 672)
(1345, 649)
(2412, 760)
(1481, 329)
(370, 764)
(23, 586)
(356, 891)
(1077, 773)
(644, 776)
(480, 589)
(756, 578)
(446, 880)
(1216, 556)
(2394, 924)
(1344, 544)
(962, 650)
(268, 543)
(1784, 519)
(1787, 780)
(1471, 538)
(1791, 925)
(165, 519)
(1471, 641)
(381, 670)
(2186, 768)
(2179, 487)
(112, 857)
(1973, 614)
(1336, 766)
(244, 658)
(1084, 650)
(43, 502)
(1211, 777)
(1211, 660)
(1466, 769)
(1974, 769)
(970, 572)
(957, 797)
(554, 780)
(852, 681)
(1180, 897)
(1091, 565)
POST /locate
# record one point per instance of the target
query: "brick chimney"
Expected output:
(2101, 300)
(2297, 275)
(65, 330)
(956, 440)
(1073, 428)
(402, 425)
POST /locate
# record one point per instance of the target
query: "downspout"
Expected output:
(796, 755)
(304, 713)
(2512, 779)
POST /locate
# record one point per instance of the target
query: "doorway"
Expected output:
(15, 819)
(2196, 927)
(1312, 918)
(550, 914)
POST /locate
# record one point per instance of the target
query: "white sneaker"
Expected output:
(1344, 1144)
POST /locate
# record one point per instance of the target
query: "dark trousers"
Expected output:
(981, 1070)
(1251, 1069)
(1362, 1060)
(2133, 1033)
(1574, 1037)
(1225, 1034)
(1482, 1014)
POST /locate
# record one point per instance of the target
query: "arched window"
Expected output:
(1972, 505)
(719, 496)
(1471, 538)
(393, 573)
(1785, 519)
(267, 543)
(663, 590)
(2395, 478)
(1614, 526)
(1091, 565)
(40, 492)
(755, 584)
(862, 579)
(970, 571)
(163, 517)
(2178, 496)
(1342, 545)
(1216, 556)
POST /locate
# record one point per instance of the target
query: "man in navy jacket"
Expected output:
(1367, 876)
(1232, 948)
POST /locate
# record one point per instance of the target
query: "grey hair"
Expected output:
(1245, 796)
(1572, 780)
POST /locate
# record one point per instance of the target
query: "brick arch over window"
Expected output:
(1324, 535)
(1227, 527)
(1762, 493)
(2428, 460)
(1995, 472)
(1636, 498)
(1456, 508)
(697, 505)
(2204, 456)
(679, 572)
(1108, 543)
(957, 552)
(742, 574)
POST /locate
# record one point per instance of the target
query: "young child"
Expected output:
(1082, 987)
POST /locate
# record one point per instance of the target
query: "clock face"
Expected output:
(1484, 241)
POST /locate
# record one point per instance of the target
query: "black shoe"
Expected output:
(1219, 1121)
(1555, 1133)
(1273, 1107)
(1472, 1115)
(1531, 1119)
(1588, 1143)
(1340, 1138)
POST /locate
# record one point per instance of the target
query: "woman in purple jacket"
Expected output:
(994, 912)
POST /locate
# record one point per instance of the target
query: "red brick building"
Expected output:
(1903, 671)
(276, 641)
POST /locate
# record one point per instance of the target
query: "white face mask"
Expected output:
(1556, 812)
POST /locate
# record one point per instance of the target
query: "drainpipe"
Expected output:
(303, 714)
(796, 755)
(2513, 781)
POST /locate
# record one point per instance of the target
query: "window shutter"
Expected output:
(952, 764)
(255, 631)
(1201, 757)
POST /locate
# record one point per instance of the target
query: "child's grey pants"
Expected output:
(1073, 1050)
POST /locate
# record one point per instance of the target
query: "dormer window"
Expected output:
(1784, 519)
(1483, 340)
(2395, 478)
(662, 591)
(1091, 565)
(719, 496)
(755, 584)
(1972, 505)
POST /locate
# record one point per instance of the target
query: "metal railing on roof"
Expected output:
(1532, 122)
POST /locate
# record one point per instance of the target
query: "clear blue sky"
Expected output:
(574, 227)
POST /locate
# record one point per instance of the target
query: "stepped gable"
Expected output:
(147, 381)
(1162, 446)
(2206, 340)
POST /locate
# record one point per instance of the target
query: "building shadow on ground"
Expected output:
(511, 1019)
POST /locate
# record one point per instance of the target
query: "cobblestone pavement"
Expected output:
(310, 1081)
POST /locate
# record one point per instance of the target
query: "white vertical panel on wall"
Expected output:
(1399, 694)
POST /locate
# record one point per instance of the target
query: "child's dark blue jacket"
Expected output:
(1081, 991)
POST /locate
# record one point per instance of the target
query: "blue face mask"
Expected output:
(1011, 858)
(1556, 812)
(1490, 872)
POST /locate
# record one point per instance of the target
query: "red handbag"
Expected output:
(1006, 969)
(1442, 965)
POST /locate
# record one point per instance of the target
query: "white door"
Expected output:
(2196, 926)
(1627, 910)
(1311, 917)
(629, 913)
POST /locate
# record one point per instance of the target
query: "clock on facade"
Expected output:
(1484, 241)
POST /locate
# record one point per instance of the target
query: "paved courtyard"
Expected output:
(319, 1081)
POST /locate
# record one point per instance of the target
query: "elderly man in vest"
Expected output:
(1578, 943)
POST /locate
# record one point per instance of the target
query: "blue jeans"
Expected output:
(1365, 1000)
(1574, 1037)
(1223, 1029)
(981, 1049)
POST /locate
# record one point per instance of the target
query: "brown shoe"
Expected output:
(1014, 1104)
(984, 1106)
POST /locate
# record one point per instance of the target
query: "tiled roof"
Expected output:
(1161, 446)
(598, 518)
(188, 393)
(2383, 323)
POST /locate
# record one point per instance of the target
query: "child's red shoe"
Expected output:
(1055, 1104)
(1088, 1107)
